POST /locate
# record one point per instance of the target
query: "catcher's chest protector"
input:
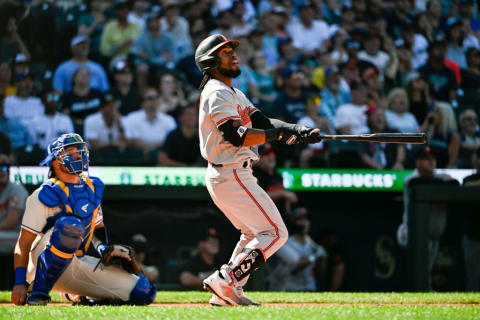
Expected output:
(80, 200)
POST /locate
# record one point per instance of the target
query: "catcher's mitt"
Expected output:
(120, 255)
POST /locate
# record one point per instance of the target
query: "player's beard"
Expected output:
(230, 72)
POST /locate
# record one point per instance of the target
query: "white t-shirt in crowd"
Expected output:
(23, 109)
(380, 60)
(137, 126)
(44, 128)
(405, 122)
(311, 38)
(353, 116)
(95, 128)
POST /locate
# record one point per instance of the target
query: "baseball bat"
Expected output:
(414, 138)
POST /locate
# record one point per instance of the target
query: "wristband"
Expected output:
(101, 248)
(20, 275)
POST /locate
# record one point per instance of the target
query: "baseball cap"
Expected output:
(331, 70)
(21, 58)
(23, 75)
(78, 39)
(452, 22)
(120, 66)
(298, 213)
(425, 153)
(352, 43)
(210, 233)
(289, 70)
(139, 242)
(152, 16)
(106, 98)
(121, 3)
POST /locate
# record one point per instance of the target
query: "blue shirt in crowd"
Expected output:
(13, 129)
(63, 78)
(330, 103)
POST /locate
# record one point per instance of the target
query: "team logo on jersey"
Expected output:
(245, 113)
(84, 208)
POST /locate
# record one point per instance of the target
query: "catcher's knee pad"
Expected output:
(143, 293)
(67, 236)
(253, 260)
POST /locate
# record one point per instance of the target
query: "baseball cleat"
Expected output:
(219, 286)
(244, 298)
(38, 299)
(217, 302)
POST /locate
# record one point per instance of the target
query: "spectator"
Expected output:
(204, 263)
(245, 81)
(471, 79)
(239, 25)
(373, 54)
(418, 95)
(139, 14)
(270, 22)
(181, 148)
(442, 135)
(455, 45)
(295, 270)
(397, 18)
(153, 49)
(119, 35)
(381, 155)
(82, 100)
(350, 118)
(178, 26)
(371, 77)
(187, 65)
(333, 96)
(425, 174)
(12, 205)
(104, 131)
(272, 182)
(51, 124)
(471, 238)
(315, 155)
(11, 43)
(290, 103)
(434, 13)
(264, 93)
(23, 106)
(91, 24)
(14, 130)
(441, 79)
(469, 138)
(332, 277)
(5, 144)
(171, 97)
(6, 89)
(148, 128)
(223, 20)
(398, 116)
(139, 244)
(62, 79)
(308, 34)
(124, 89)
(347, 19)
(343, 48)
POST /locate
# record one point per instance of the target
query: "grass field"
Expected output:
(300, 306)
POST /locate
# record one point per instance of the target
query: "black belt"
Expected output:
(246, 164)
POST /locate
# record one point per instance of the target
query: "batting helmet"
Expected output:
(204, 55)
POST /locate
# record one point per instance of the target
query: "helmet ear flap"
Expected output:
(209, 63)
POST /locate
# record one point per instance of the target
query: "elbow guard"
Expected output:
(232, 133)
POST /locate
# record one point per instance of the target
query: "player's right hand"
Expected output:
(19, 294)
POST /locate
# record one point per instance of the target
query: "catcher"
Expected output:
(62, 219)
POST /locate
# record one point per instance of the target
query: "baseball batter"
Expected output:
(62, 218)
(231, 128)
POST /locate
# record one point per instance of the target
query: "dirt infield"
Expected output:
(296, 304)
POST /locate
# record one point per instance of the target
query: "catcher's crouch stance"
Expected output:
(62, 218)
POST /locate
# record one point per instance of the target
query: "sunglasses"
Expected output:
(4, 168)
(471, 118)
(150, 98)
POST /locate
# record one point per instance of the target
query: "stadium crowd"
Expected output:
(122, 74)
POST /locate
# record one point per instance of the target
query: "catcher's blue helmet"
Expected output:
(56, 150)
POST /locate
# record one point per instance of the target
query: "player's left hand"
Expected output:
(19, 294)
(308, 135)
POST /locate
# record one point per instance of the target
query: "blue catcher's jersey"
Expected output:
(81, 200)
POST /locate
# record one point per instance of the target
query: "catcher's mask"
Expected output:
(56, 150)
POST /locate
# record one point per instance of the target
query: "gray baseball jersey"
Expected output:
(218, 104)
